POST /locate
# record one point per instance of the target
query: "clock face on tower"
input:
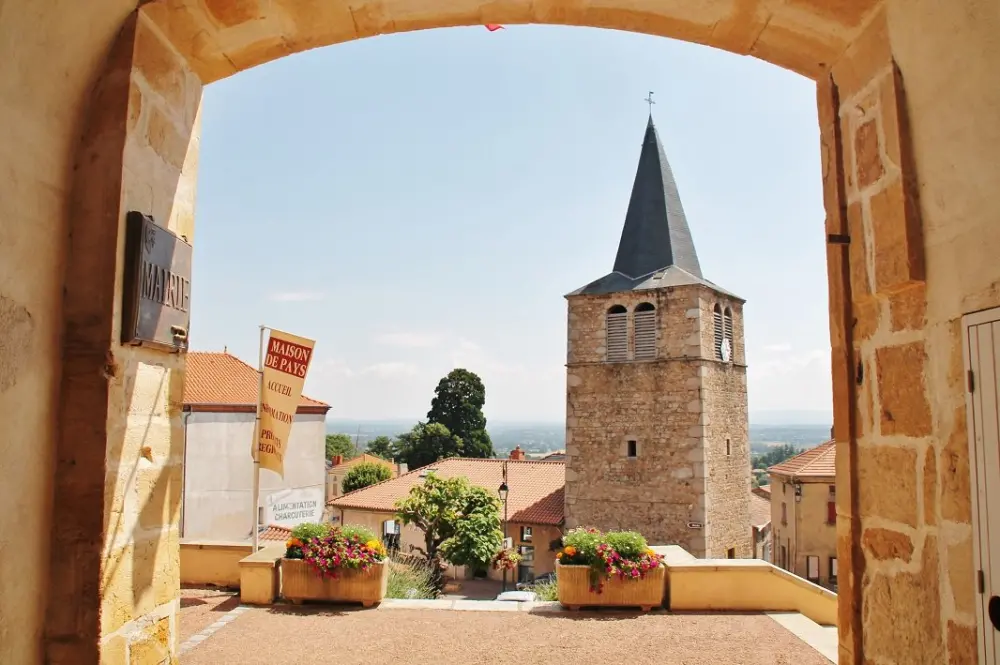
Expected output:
(726, 351)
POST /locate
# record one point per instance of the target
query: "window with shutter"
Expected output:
(727, 328)
(831, 512)
(718, 330)
(617, 332)
(644, 343)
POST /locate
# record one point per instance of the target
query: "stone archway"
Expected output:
(114, 573)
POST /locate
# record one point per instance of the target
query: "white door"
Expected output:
(982, 362)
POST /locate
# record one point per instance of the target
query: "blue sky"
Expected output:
(423, 201)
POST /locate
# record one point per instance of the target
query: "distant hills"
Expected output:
(803, 429)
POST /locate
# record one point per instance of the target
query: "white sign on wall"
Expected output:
(293, 507)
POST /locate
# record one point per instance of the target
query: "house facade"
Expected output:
(804, 515)
(219, 413)
(534, 507)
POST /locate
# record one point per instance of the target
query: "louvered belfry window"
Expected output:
(645, 332)
(719, 332)
(727, 326)
(617, 331)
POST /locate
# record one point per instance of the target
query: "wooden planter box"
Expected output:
(574, 589)
(299, 582)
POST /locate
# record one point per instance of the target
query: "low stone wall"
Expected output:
(212, 562)
(260, 575)
(718, 585)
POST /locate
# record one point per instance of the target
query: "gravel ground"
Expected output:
(283, 636)
(200, 608)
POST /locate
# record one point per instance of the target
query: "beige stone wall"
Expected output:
(807, 531)
(679, 409)
(947, 57)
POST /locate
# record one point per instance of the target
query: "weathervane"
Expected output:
(649, 100)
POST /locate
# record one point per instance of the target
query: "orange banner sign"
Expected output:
(285, 365)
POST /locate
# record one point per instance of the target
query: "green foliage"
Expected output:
(365, 474)
(410, 578)
(340, 444)
(629, 544)
(458, 405)
(308, 530)
(427, 443)
(461, 523)
(547, 590)
(775, 455)
(384, 447)
(363, 533)
(584, 541)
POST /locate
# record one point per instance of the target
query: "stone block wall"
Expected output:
(115, 598)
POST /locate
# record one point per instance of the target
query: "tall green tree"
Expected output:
(458, 405)
(384, 447)
(365, 474)
(461, 523)
(340, 444)
(427, 443)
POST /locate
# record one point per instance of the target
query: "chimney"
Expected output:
(402, 468)
(832, 437)
(337, 460)
(517, 453)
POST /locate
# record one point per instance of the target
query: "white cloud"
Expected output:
(391, 369)
(778, 348)
(295, 296)
(409, 340)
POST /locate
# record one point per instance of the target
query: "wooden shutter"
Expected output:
(727, 328)
(645, 335)
(717, 320)
(831, 512)
(617, 337)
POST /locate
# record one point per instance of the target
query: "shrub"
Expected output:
(410, 578)
(358, 532)
(302, 534)
(365, 474)
(330, 553)
(547, 590)
(629, 544)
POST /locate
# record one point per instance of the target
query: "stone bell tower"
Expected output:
(656, 406)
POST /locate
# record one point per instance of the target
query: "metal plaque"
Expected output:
(157, 289)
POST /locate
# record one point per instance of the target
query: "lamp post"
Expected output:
(502, 493)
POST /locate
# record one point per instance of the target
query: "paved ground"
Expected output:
(200, 608)
(319, 635)
(473, 589)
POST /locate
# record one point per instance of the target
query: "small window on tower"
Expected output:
(644, 324)
(633, 448)
(718, 331)
(729, 447)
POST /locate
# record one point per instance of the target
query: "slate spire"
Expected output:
(656, 233)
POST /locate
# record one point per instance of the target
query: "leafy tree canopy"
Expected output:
(458, 405)
(340, 444)
(365, 474)
(427, 443)
(384, 447)
(775, 455)
(461, 522)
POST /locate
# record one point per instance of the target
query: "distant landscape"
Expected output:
(540, 438)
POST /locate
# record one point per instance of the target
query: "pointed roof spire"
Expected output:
(656, 233)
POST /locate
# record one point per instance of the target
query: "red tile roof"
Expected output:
(276, 532)
(226, 383)
(363, 457)
(536, 488)
(760, 511)
(763, 490)
(818, 462)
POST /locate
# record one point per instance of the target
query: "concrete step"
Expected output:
(821, 638)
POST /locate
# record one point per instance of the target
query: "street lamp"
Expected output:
(502, 493)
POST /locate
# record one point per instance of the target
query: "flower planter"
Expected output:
(299, 582)
(644, 593)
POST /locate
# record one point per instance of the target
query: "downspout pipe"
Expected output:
(184, 467)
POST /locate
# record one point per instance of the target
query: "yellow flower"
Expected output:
(570, 551)
(293, 542)
(559, 556)
(376, 546)
(650, 552)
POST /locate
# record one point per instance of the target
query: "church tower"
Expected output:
(656, 407)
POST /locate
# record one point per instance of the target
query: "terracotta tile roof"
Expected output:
(536, 488)
(275, 532)
(223, 380)
(818, 462)
(364, 457)
(763, 491)
(760, 510)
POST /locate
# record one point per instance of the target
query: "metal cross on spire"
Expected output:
(649, 100)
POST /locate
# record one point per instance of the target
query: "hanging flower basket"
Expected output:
(506, 560)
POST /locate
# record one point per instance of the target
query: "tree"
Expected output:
(775, 455)
(365, 474)
(461, 523)
(384, 447)
(340, 444)
(458, 405)
(427, 443)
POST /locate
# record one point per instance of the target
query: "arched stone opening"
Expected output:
(114, 572)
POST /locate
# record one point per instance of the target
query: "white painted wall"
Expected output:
(218, 471)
